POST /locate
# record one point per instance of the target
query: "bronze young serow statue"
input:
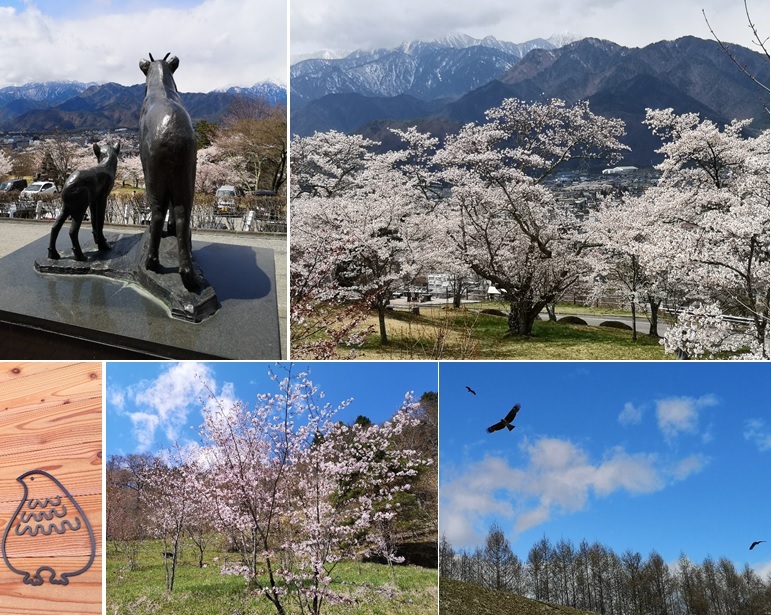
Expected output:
(167, 148)
(87, 189)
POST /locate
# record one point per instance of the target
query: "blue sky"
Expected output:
(673, 457)
(220, 43)
(154, 405)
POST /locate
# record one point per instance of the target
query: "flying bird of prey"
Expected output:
(755, 544)
(505, 422)
(47, 520)
(470, 390)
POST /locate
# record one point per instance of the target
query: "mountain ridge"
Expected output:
(41, 107)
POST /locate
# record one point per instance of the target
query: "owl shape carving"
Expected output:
(48, 537)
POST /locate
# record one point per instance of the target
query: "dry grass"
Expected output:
(456, 598)
(438, 333)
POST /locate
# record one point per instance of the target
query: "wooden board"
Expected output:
(51, 423)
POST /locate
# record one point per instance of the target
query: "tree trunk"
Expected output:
(654, 329)
(456, 297)
(634, 320)
(381, 313)
(522, 315)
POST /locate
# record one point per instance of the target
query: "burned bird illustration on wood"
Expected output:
(506, 421)
(48, 522)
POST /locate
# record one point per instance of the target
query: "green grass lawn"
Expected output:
(437, 333)
(205, 591)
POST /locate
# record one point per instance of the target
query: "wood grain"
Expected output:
(51, 420)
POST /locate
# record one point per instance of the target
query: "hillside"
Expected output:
(457, 598)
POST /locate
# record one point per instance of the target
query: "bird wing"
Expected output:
(512, 413)
(472, 391)
(498, 426)
(755, 544)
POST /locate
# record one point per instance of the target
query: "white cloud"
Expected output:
(220, 43)
(678, 415)
(630, 415)
(763, 569)
(145, 425)
(559, 478)
(117, 398)
(165, 403)
(688, 466)
(352, 24)
(755, 431)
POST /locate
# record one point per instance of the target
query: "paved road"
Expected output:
(15, 234)
(642, 323)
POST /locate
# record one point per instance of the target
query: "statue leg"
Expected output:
(97, 209)
(181, 213)
(77, 220)
(52, 253)
(157, 214)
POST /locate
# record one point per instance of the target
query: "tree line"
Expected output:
(593, 577)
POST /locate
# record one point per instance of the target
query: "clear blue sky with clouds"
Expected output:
(220, 43)
(153, 405)
(670, 456)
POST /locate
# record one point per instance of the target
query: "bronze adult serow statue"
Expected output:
(167, 148)
(87, 190)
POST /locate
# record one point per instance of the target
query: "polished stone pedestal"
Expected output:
(97, 309)
(124, 261)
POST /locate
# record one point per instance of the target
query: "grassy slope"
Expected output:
(456, 598)
(205, 591)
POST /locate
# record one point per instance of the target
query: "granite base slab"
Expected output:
(118, 313)
(125, 262)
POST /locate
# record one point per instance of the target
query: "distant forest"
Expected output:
(592, 577)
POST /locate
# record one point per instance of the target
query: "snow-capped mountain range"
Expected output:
(441, 68)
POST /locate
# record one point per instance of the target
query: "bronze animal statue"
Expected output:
(167, 149)
(87, 190)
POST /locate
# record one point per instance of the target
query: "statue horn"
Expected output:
(152, 59)
(166, 56)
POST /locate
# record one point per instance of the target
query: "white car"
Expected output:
(35, 189)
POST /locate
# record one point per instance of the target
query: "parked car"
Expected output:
(13, 185)
(35, 189)
(226, 199)
(263, 193)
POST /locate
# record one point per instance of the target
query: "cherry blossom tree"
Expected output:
(621, 262)
(509, 228)
(169, 493)
(711, 205)
(356, 231)
(298, 492)
(130, 170)
(6, 164)
(212, 170)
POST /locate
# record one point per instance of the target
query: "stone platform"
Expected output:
(108, 311)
